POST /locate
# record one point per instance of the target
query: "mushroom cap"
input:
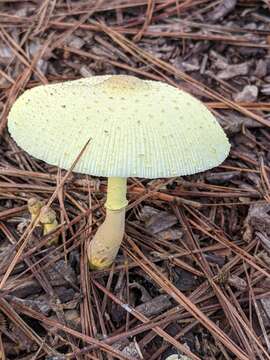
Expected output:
(47, 215)
(34, 205)
(137, 127)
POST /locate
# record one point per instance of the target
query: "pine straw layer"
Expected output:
(220, 250)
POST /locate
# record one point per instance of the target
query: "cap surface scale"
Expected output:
(137, 127)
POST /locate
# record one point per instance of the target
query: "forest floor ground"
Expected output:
(192, 276)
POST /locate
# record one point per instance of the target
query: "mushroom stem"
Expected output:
(104, 247)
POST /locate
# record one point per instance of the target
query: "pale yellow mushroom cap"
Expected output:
(47, 215)
(137, 127)
(34, 205)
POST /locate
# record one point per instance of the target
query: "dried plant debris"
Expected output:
(177, 357)
(220, 178)
(23, 343)
(231, 71)
(264, 305)
(61, 273)
(132, 349)
(192, 276)
(237, 282)
(39, 304)
(157, 221)
(223, 9)
(261, 69)
(184, 280)
(233, 123)
(257, 220)
(155, 306)
(248, 94)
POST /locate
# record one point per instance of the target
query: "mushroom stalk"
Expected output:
(104, 247)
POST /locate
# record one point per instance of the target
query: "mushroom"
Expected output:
(138, 128)
(34, 205)
(49, 223)
(47, 217)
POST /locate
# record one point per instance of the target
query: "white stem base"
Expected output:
(104, 247)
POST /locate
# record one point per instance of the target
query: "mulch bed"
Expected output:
(192, 276)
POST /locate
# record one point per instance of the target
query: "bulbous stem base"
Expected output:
(104, 247)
